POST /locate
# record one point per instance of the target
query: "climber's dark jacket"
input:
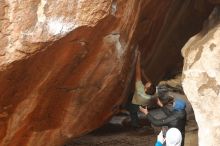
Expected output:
(175, 118)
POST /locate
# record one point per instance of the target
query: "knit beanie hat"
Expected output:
(173, 137)
(179, 104)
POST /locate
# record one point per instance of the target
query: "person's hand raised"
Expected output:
(144, 110)
(160, 137)
(159, 102)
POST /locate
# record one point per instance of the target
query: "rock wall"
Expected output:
(64, 66)
(201, 79)
(164, 37)
(67, 66)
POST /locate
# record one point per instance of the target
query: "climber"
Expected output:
(142, 95)
(172, 137)
(175, 118)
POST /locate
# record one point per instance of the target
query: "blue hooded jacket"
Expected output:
(179, 105)
(158, 143)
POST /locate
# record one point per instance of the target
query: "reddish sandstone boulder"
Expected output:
(66, 66)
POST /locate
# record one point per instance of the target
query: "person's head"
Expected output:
(162, 90)
(149, 88)
(179, 104)
(173, 137)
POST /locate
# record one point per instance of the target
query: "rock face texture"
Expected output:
(162, 47)
(201, 79)
(66, 66)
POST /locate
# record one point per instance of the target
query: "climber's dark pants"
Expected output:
(133, 110)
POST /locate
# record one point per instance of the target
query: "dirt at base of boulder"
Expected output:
(118, 132)
(110, 135)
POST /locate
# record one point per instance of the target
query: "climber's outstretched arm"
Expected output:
(138, 68)
(146, 77)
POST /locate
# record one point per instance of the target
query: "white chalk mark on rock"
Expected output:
(58, 26)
